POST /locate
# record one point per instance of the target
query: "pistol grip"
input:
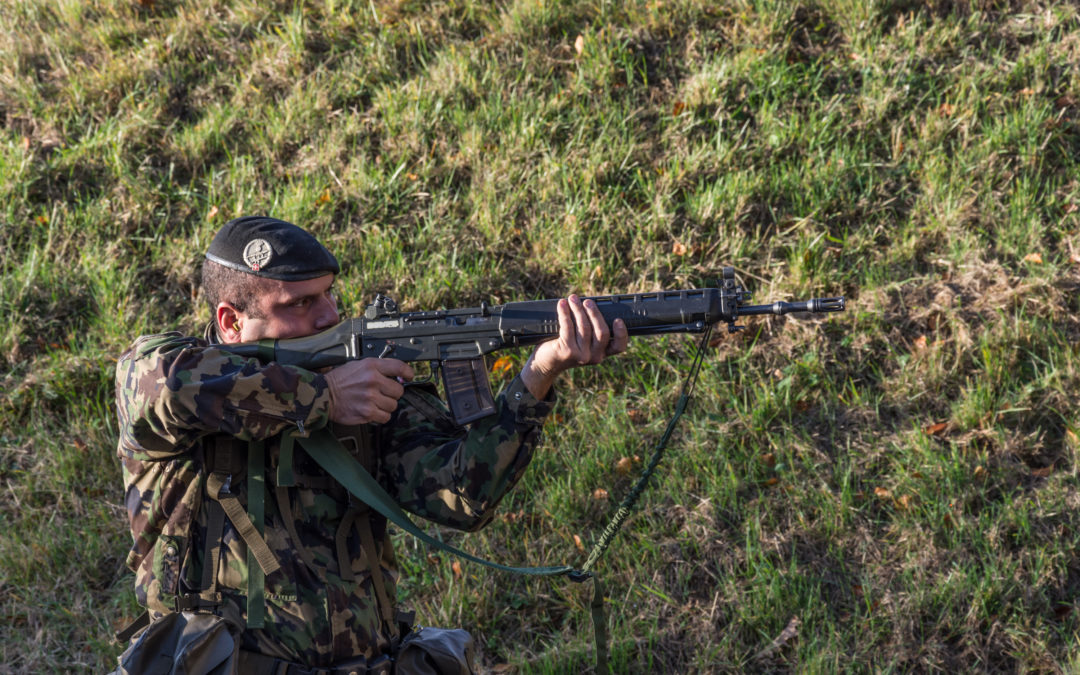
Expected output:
(467, 390)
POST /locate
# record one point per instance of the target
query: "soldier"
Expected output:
(237, 532)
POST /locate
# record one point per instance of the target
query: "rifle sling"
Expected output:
(328, 453)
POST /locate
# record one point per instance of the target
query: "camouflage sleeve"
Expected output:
(456, 476)
(171, 390)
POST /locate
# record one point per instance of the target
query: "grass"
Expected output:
(896, 484)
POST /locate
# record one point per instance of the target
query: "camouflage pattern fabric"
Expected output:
(178, 395)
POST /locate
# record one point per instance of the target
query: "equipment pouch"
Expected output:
(182, 643)
(435, 651)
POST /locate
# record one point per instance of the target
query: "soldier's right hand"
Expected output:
(366, 390)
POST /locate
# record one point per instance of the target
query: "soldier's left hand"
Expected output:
(584, 339)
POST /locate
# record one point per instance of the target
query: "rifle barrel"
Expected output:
(814, 306)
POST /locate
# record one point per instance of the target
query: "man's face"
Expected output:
(288, 309)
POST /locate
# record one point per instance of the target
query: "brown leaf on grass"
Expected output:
(212, 212)
(323, 198)
(624, 466)
(936, 429)
(1070, 209)
(947, 109)
(578, 543)
(769, 482)
(600, 494)
(920, 343)
(882, 493)
(678, 249)
(1043, 472)
(636, 416)
(677, 109)
(432, 559)
(790, 632)
(1027, 91)
(149, 4)
(80, 444)
(769, 459)
(903, 502)
(579, 44)
(1035, 258)
(456, 567)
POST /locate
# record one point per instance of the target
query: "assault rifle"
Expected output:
(456, 340)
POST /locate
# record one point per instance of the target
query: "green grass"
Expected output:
(900, 478)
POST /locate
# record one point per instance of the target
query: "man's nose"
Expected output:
(328, 312)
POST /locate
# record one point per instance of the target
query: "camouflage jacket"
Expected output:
(179, 396)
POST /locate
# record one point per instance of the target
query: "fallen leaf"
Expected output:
(1073, 439)
(1027, 91)
(882, 493)
(903, 502)
(501, 365)
(80, 444)
(769, 482)
(1043, 472)
(624, 466)
(26, 143)
(212, 212)
(678, 249)
(600, 494)
(790, 632)
(979, 472)
(916, 474)
(432, 559)
(1034, 258)
(412, 176)
(324, 197)
(677, 109)
(947, 109)
(578, 544)
(802, 405)
(769, 459)
(936, 429)
(947, 521)
(579, 44)
(1070, 209)
(636, 416)
(456, 567)
(920, 343)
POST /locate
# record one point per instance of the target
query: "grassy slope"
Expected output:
(900, 479)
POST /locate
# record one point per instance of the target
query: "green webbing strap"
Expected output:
(256, 499)
(332, 456)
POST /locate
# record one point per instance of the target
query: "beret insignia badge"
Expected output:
(257, 253)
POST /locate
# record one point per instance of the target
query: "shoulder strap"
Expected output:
(336, 460)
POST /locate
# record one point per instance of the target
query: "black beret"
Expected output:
(271, 248)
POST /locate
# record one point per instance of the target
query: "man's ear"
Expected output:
(229, 323)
